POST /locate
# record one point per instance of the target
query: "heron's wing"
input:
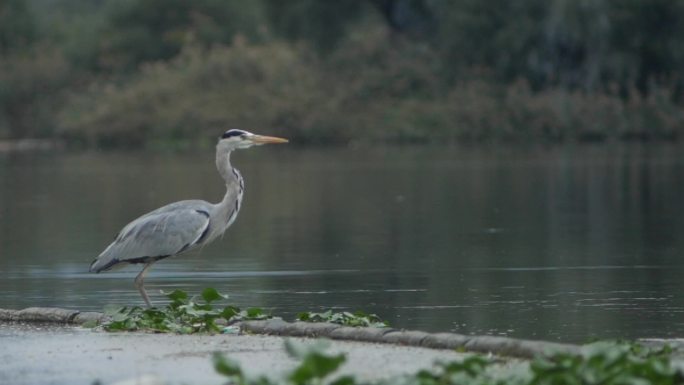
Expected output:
(161, 233)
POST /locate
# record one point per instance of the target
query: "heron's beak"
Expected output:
(261, 139)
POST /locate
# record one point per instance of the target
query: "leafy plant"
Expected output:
(314, 367)
(230, 369)
(606, 363)
(249, 314)
(184, 314)
(358, 318)
(471, 370)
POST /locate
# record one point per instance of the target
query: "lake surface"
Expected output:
(562, 243)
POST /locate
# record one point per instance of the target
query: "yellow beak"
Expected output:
(261, 139)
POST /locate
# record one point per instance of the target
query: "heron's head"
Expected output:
(236, 139)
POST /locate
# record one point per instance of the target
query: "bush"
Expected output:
(368, 90)
(30, 85)
(140, 31)
(275, 87)
(199, 94)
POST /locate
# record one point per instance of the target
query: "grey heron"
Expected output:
(182, 226)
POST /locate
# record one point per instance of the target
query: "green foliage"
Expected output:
(607, 363)
(199, 94)
(150, 30)
(31, 82)
(162, 72)
(482, 111)
(185, 315)
(645, 41)
(75, 28)
(582, 44)
(365, 91)
(314, 367)
(358, 318)
(315, 363)
(598, 364)
(228, 368)
(471, 370)
(323, 24)
(182, 315)
(17, 25)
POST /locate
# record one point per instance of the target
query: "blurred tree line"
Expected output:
(140, 72)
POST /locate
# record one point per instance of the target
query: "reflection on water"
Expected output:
(566, 243)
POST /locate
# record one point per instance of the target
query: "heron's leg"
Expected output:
(140, 285)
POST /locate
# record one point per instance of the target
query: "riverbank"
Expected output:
(30, 145)
(504, 346)
(41, 343)
(51, 345)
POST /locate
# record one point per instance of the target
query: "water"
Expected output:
(562, 243)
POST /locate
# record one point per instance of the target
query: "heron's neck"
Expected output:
(223, 165)
(233, 179)
(226, 211)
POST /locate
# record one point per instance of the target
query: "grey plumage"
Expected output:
(182, 226)
(166, 231)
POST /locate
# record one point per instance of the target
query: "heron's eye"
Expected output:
(231, 133)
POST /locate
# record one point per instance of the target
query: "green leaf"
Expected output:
(316, 366)
(229, 312)
(226, 366)
(177, 295)
(604, 364)
(254, 312)
(344, 380)
(110, 310)
(295, 350)
(210, 295)
(344, 318)
(300, 350)
(90, 324)
(315, 363)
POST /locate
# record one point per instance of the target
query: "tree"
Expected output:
(148, 30)
(17, 26)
